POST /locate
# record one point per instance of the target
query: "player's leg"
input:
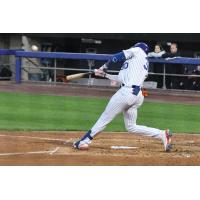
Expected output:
(130, 117)
(115, 106)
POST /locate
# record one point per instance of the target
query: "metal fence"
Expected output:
(19, 55)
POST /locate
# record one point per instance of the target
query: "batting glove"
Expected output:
(99, 72)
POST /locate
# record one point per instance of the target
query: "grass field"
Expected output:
(45, 112)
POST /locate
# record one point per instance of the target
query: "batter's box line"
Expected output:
(38, 138)
(50, 152)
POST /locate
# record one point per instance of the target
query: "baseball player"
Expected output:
(128, 98)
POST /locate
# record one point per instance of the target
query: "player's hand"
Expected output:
(99, 72)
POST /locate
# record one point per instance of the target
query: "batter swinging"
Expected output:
(128, 98)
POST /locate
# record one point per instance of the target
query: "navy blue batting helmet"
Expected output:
(143, 46)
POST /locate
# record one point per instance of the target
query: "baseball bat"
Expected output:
(76, 76)
(79, 75)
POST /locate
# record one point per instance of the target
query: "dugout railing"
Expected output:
(19, 55)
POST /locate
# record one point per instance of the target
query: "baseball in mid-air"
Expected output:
(34, 48)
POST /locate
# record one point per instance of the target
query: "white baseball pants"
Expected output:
(124, 101)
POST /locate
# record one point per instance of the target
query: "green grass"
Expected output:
(45, 112)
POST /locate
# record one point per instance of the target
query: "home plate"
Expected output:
(123, 147)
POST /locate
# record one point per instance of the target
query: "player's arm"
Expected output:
(102, 73)
(112, 77)
(118, 57)
(121, 57)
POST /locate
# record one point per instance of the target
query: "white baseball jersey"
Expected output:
(135, 69)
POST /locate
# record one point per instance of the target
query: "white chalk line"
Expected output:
(54, 151)
(51, 152)
(37, 138)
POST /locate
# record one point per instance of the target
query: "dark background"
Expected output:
(112, 42)
(188, 43)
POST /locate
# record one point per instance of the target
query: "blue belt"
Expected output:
(136, 88)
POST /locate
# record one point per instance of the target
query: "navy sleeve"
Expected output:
(118, 57)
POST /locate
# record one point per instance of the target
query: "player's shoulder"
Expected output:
(134, 52)
(137, 50)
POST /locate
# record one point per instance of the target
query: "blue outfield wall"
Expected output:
(18, 53)
(89, 56)
(103, 57)
(9, 51)
(61, 55)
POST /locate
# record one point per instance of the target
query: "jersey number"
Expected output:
(124, 66)
(146, 66)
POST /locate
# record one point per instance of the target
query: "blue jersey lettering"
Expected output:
(124, 66)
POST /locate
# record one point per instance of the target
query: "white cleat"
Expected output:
(80, 145)
(166, 138)
(83, 143)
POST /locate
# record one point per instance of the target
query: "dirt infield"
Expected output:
(55, 148)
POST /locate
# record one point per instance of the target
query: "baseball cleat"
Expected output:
(83, 143)
(167, 140)
(80, 145)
